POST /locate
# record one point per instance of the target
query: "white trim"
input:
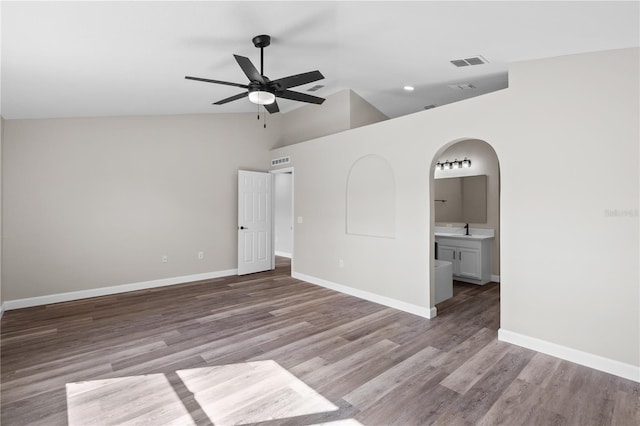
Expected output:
(283, 254)
(608, 365)
(495, 278)
(282, 170)
(105, 291)
(1, 310)
(372, 297)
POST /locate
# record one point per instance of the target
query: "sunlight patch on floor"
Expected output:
(231, 394)
(136, 400)
(345, 422)
(252, 392)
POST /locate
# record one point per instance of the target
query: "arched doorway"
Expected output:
(465, 198)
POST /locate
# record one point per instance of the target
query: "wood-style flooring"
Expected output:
(269, 349)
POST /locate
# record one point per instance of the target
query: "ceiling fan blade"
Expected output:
(272, 108)
(250, 71)
(298, 80)
(301, 97)
(232, 98)
(206, 80)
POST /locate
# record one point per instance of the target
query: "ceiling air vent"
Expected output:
(475, 60)
(462, 86)
(459, 63)
(429, 106)
(280, 161)
(316, 87)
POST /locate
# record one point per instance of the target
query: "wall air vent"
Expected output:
(316, 87)
(475, 60)
(280, 161)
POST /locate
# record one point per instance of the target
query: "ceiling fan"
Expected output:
(263, 91)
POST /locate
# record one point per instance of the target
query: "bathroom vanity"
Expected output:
(470, 255)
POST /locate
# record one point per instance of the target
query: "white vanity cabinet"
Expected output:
(470, 256)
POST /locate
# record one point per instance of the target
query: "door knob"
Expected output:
(242, 227)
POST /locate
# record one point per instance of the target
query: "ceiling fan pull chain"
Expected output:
(265, 120)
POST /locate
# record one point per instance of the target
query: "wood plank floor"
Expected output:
(268, 349)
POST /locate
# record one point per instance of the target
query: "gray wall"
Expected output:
(569, 231)
(341, 111)
(97, 202)
(362, 112)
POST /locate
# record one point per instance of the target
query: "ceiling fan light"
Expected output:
(261, 97)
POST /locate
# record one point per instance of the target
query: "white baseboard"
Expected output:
(1, 309)
(495, 278)
(372, 297)
(587, 359)
(283, 254)
(105, 291)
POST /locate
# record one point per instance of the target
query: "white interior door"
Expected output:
(254, 222)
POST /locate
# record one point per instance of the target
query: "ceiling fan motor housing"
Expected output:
(255, 86)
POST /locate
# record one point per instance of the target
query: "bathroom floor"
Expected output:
(464, 293)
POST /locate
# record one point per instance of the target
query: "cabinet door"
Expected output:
(449, 254)
(469, 263)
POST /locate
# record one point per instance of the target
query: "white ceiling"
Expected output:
(71, 59)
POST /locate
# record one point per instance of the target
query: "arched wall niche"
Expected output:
(371, 198)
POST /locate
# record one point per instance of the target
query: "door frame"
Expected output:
(293, 217)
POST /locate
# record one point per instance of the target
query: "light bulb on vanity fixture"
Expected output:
(466, 163)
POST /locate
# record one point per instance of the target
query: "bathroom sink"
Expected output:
(472, 237)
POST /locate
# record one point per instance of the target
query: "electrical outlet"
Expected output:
(165, 258)
(341, 263)
(200, 255)
(299, 219)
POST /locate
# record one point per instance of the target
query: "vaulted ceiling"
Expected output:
(72, 59)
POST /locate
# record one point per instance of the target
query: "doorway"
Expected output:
(283, 226)
(463, 162)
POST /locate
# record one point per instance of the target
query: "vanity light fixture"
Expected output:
(455, 164)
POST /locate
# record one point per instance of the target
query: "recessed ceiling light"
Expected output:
(409, 88)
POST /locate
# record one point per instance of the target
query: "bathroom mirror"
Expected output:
(461, 199)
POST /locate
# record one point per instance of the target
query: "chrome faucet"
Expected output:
(466, 229)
